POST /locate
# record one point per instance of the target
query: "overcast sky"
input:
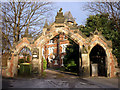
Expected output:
(76, 9)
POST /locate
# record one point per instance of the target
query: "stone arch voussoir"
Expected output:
(76, 38)
(94, 43)
(22, 46)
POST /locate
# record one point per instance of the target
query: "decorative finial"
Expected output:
(60, 10)
(96, 29)
(96, 32)
(46, 24)
(26, 33)
(59, 17)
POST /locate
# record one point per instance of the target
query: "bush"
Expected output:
(25, 69)
(71, 66)
(20, 61)
(28, 58)
(44, 64)
(71, 59)
(72, 69)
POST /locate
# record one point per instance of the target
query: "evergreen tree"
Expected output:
(107, 26)
(71, 59)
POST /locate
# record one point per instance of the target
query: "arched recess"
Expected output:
(98, 56)
(22, 46)
(107, 50)
(24, 56)
(14, 62)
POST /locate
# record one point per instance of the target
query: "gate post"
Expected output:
(40, 60)
(85, 64)
(35, 60)
(15, 63)
(80, 61)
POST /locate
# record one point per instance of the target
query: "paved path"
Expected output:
(56, 79)
(104, 82)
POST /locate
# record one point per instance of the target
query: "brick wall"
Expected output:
(63, 40)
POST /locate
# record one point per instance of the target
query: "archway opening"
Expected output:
(71, 59)
(24, 61)
(98, 57)
(61, 52)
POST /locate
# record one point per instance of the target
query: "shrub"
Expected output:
(72, 69)
(71, 66)
(44, 64)
(28, 58)
(20, 61)
(25, 69)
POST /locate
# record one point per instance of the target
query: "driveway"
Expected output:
(56, 79)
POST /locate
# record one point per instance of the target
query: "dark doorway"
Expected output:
(98, 56)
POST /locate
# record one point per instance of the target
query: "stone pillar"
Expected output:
(108, 61)
(8, 68)
(62, 61)
(85, 65)
(35, 60)
(80, 61)
(40, 60)
(35, 63)
(15, 64)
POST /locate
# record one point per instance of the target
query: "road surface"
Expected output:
(56, 79)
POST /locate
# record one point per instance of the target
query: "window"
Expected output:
(64, 48)
(51, 41)
(50, 50)
(62, 56)
(64, 37)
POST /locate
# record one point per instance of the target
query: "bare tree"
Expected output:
(112, 8)
(20, 16)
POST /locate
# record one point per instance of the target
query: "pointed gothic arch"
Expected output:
(76, 37)
(107, 47)
(98, 56)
